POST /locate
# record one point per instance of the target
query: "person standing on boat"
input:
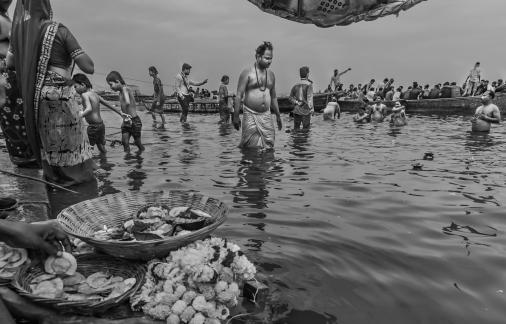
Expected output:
(158, 96)
(256, 90)
(182, 89)
(335, 80)
(486, 114)
(301, 96)
(473, 79)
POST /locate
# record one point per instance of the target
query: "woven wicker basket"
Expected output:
(84, 219)
(86, 265)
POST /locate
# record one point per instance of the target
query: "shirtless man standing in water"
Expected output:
(486, 114)
(256, 89)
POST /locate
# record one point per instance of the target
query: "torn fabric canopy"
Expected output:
(327, 13)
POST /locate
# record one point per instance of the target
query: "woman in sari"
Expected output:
(12, 121)
(43, 52)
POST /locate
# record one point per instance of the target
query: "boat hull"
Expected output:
(199, 106)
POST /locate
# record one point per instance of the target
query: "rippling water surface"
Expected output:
(343, 228)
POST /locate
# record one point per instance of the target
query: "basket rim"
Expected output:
(172, 239)
(138, 267)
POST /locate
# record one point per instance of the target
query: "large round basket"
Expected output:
(85, 218)
(86, 265)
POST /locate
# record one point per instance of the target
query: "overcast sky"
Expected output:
(435, 41)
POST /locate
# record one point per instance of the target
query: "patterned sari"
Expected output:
(55, 133)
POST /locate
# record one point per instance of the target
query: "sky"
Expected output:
(435, 41)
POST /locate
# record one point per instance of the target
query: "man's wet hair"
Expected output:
(224, 78)
(491, 94)
(263, 47)
(153, 69)
(82, 79)
(303, 72)
(114, 76)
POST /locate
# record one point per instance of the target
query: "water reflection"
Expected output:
(136, 174)
(253, 175)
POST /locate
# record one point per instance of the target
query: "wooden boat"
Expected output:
(459, 105)
(203, 106)
(319, 101)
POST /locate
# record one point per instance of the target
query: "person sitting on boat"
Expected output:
(486, 114)
(389, 95)
(370, 94)
(435, 92)
(398, 117)
(331, 110)
(397, 94)
(406, 94)
(482, 88)
(426, 92)
(416, 92)
(335, 80)
(500, 87)
(361, 116)
(379, 110)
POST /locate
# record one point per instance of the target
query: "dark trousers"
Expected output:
(185, 107)
(305, 120)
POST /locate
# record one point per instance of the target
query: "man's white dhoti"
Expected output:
(257, 129)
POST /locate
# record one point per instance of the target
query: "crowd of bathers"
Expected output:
(386, 90)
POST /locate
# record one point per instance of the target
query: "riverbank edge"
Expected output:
(32, 196)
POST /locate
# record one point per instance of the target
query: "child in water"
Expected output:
(362, 116)
(398, 117)
(130, 127)
(91, 103)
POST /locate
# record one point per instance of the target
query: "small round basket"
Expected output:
(86, 265)
(82, 220)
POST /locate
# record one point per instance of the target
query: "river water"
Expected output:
(338, 222)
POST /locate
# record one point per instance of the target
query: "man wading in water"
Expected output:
(182, 89)
(486, 114)
(257, 87)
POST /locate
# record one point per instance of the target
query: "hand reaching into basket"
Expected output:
(46, 236)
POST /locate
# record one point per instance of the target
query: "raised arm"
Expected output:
(345, 71)
(241, 89)
(196, 84)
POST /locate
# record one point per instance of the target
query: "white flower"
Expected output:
(179, 307)
(7, 109)
(222, 312)
(15, 117)
(199, 303)
(198, 319)
(19, 101)
(189, 296)
(173, 319)
(160, 312)
(242, 266)
(187, 314)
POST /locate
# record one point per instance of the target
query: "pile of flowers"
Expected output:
(196, 284)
